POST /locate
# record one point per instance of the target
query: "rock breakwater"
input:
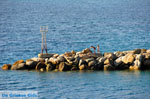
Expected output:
(138, 59)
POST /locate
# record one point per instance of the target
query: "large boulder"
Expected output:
(108, 61)
(128, 59)
(110, 56)
(92, 65)
(61, 58)
(53, 60)
(122, 66)
(19, 65)
(89, 59)
(137, 51)
(63, 66)
(146, 55)
(69, 59)
(83, 67)
(30, 64)
(108, 67)
(81, 62)
(118, 61)
(50, 67)
(101, 60)
(40, 66)
(6, 67)
(146, 64)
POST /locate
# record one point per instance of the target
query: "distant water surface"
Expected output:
(115, 25)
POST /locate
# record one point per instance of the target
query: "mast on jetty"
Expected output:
(43, 30)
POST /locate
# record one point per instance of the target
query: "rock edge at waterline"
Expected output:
(138, 59)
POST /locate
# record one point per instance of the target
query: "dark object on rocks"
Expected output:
(146, 64)
(137, 51)
(6, 67)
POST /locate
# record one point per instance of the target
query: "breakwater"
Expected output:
(138, 59)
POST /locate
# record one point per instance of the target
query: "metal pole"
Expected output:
(45, 43)
(42, 43)
(43, 30)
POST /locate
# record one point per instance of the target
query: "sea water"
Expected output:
(116, 25)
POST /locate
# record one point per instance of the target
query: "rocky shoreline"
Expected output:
(138, 59)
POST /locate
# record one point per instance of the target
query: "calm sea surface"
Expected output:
(74, 25)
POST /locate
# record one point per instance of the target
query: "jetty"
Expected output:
(137, 59)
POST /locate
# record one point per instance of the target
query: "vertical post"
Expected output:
(98, 49)
(43, 30)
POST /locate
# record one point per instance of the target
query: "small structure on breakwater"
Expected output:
(138, 59)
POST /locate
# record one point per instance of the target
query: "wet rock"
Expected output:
(109, 67)
(40, 65)
(50, 67)
(128, 59)
(42, 69)
(133, 68)
(122, 66)
(30, 64)
(146, 64)
(63, 66)
(83, 67)
(74, 67)
(92, 65)
(6, 67)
